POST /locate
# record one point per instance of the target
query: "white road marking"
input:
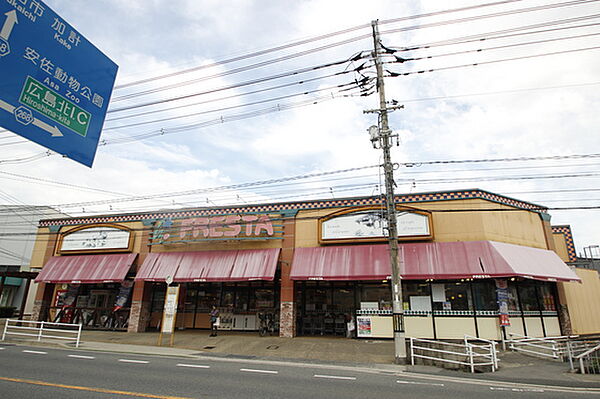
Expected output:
(198, 366)
(35, 352)
(82, 357)
(419, 383)
(516, 389)
(1, 349)
(134, 361)
(260, 371)
(334, 377)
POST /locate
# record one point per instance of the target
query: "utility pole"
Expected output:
(382, 136)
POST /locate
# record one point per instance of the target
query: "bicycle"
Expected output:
(267, 323)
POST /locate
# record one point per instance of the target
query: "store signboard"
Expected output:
(96, 239)
(170, 310)
(226, 227)
(371, 224)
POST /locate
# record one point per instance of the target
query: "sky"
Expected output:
(271, 93)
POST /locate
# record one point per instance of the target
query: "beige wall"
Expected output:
(560, 245)
(515, 227)
(583, 302)
(42, 241)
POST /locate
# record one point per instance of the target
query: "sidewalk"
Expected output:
(377, 355)
(251, 345)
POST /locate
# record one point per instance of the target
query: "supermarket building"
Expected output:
(473, 262)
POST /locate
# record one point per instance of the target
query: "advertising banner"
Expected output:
(364, 326)
(502, 295)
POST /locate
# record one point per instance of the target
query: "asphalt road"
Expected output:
(35, 372)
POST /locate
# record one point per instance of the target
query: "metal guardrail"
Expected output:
(465, 354)
(548, 347)
(589, 361)
(43, 329)
(573, 349)
(485, 348)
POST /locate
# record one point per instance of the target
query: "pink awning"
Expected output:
(235, 265)
(108, 268)
(433, 260)
(359, 262)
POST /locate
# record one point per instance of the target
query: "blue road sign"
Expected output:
(55, 85)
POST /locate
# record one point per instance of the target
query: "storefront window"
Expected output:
(241, 298)
(485, 295)
(416, 296)
(457, 296)
(513, 299)
(227, 301)
(376, 297)
(547, 299)
(343, 300)
(318, 299)
(528, 296)
(208, 295)
(264, 299)
(190, 300)
(158, 298)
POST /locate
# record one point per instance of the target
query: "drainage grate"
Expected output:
(209, 347)
(273, 347)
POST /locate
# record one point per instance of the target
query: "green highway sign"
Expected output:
(55, 86)
(54, 106)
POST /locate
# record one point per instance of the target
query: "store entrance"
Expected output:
(326, 307)
(239, 304)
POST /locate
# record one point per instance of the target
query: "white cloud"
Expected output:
(155, 37)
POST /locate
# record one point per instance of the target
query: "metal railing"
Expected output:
(548, 347)
(43, 329)
(572, 349)
(485, 349)
(464, 354)
(589, 361)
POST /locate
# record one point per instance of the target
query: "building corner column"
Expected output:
(139, 316)
(287, 315)
(564, 319)
(43, 300)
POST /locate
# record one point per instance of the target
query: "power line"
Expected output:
(365, 36)
(210, 111)
(309, 41)
(490, 93)
(483, 16)
(320, 174)
(398, 74)
(529, 9)
(480, 50)
(220, 120)
(237, 95)
(506, 159)
(504, 33)
(356, 57)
